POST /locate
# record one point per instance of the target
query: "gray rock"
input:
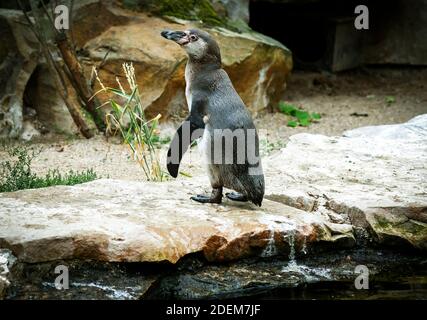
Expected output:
(18, 59)
(414, 129)
(7, 261)
(234, 9)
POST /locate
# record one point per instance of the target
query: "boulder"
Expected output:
(257, 65)
(25, 82)
(18, 59)
(123, 221)
(373, 177)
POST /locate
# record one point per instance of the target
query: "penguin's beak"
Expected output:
(179, 37)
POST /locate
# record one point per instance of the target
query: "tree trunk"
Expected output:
(79, 81)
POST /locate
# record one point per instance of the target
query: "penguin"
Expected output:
(217, 115)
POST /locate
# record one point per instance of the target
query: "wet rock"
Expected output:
(112, 220)
(7, 262)
(327, 276)
(374, 177)
(86, 280)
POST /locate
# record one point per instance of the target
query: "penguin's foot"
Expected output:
(235, 196)
(216, 197)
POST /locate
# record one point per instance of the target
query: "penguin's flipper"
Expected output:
(191, 129)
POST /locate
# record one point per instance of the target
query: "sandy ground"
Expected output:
(334, 96)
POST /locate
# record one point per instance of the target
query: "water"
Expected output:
(270, 249)
(309, 274)
(279, 224)
(110, 292)
(324, 275)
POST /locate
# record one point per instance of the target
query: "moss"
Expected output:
(190, 10)
(409, 230)
(383, 223)
(183, 9)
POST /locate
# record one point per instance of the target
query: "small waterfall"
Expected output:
(304, 246)
(310, 274)
(291, 240)
(275, 224)
(270, 249)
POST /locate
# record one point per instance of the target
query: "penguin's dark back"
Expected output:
(224, 106)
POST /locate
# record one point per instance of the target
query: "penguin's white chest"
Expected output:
(204, 145)
(188, 95)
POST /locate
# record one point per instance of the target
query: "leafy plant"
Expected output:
(128, 118)
(302, 118)
(268, 147)
(16, 173)
(390, 100)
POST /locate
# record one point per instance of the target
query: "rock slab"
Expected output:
(322, 192)
(123, 221)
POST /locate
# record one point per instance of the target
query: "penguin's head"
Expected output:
(199, 45)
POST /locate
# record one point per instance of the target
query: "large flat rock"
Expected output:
(331, 192)
(112, 220)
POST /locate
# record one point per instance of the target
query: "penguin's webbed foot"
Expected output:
(216, 197)
(235, 196)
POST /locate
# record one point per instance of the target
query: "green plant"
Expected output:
(390, 100)
(128, 118)
(16, 173)
(158, 141)
(268, 147)
(303, 118)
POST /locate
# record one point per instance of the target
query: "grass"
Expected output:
(16, 173)
(128, 118)
(299, 116)
(159, 141)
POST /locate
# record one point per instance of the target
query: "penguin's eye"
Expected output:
(193, 37)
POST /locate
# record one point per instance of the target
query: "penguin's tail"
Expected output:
(256, 193)
(258, 199)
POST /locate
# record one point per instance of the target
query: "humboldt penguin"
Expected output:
(219, 117)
